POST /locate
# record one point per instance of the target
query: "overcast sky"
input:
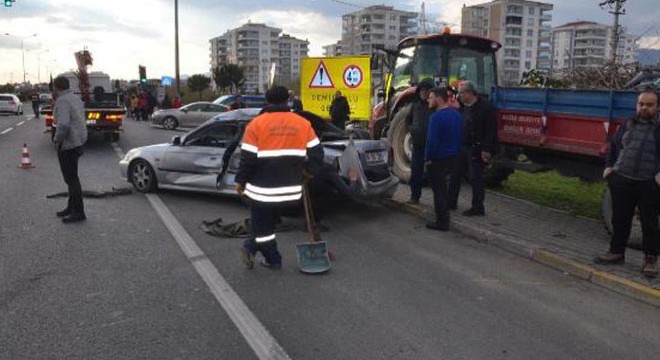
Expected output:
(124, 33)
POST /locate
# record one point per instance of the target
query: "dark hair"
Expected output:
(440, 92)
(277, 95)
(649, 90)
(61, 83)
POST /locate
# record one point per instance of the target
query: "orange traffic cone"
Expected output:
(25, 159)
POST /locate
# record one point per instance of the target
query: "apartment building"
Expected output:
(585, 44)
(333, 49)
(373, 26)
(258, 48)
(522, 27)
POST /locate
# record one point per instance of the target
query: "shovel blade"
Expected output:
(313, 257)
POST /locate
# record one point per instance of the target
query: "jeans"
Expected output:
(470, 161)
(69, 166)
(627, 195)
(438, 171)
(417, 172)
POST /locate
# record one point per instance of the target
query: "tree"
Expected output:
(229, 75)
(221, 78)
(198, 83)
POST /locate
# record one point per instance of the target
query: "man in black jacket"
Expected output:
(633, 175)
(339, 110)
(479, 145)
(417, 121)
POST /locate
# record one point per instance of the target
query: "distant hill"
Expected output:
(649, 57)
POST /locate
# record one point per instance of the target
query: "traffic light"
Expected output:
(8, 3)
(143, 75)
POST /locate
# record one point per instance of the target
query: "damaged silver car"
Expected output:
(207, 159)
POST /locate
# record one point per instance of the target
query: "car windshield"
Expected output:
(223, 100)
(451, 63)
(6, 98)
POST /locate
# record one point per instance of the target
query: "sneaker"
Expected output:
(412, 202)
(650, 267)
(273, 266)
(474, 212)
(610, 259)
(247, 257)
(64, 213)
(438, 226)
(71, 218)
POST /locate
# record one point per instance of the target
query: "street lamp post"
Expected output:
(176, 45)
(39, 64)
(22, 49)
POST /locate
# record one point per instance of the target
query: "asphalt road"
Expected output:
(119, 285)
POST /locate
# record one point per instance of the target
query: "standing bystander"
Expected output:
(479, 145)
(70, 137)
(35, 103)
(340, 110)
(633, 174)
(270, 175)
(416, 121)
(237, 103)
(443, 147)
(294, 103)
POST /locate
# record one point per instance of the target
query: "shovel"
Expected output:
(313, 256)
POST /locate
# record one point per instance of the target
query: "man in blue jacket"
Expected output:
(443, 146)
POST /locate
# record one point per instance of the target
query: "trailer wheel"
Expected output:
(635, 240)
(401, 144)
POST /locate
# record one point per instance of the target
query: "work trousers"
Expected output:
(35, 109)
(470, 161)
(69, 166)
(263, 220)
(439, 170)
(417, 172)
(627, 195)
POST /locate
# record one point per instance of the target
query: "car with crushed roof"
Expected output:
(207, 159)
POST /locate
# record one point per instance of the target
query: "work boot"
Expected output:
(610, 258)
(273, 266)
(64, 213)
(438, 225)
(71, 218)
(650, 267)
(412, 201)
(474, 212)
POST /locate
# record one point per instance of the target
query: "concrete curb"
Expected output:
(520, 247)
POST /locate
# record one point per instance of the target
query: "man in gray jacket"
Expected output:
(70, 136)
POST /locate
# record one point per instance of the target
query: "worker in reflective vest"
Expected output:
(273, 152)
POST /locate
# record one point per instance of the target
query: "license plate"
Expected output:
(91, 122)
(375, 157)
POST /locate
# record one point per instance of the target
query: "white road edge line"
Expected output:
(20, 123)
(6, 131)
(257, 336)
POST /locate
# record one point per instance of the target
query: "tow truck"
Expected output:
(104, 111)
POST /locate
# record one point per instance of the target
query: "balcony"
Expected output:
(514, 10)
(546, 17)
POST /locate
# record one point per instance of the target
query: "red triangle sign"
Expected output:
(321, 78)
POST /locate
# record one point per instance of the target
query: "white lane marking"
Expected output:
(20, 123)
(6, 131)
(257, 336)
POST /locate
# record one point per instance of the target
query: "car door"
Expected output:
(191, 114)
(196, 163)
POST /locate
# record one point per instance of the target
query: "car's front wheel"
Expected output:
(170, 123)
(142, 176)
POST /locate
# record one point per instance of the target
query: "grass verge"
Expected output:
(556, 191)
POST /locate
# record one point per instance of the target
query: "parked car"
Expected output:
(250, 101)
(9, 103)
(193, 114)
(207, 159)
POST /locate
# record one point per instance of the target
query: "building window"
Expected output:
(393, 17)
(532, 10)
(528, 65)
(530, 22)
(530, 43)
(530, 33)
(392, 28)
(528, 54)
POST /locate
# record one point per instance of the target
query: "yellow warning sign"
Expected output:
(321, 78)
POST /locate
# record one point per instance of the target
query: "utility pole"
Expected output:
(616, 9)
(176, 45)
